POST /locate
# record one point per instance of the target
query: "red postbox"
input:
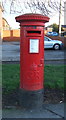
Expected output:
(31, 58)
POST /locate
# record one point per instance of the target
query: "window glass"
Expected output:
(45, 39)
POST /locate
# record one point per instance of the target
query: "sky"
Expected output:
(15, 25)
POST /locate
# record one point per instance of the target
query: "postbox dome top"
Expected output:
(32, 17)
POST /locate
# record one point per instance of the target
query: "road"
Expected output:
(54, 57)
(11, 52)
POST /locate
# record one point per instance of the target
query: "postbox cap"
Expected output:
(32, 17)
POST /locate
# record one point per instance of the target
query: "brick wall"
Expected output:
(11, 35)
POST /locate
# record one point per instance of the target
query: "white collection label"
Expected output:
(34, 46)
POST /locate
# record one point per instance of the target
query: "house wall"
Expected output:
(1, 28)
(49, 29)
(5, 24)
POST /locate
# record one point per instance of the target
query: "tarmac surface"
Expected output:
(11, 52)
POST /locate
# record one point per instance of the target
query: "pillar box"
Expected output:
(31, 59)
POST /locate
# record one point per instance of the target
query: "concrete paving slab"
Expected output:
(22, 113)
(56, 108)
(0, 114)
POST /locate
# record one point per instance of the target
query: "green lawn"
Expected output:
(53, 76)
(10, 77)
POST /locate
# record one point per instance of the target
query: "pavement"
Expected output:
(47, 111)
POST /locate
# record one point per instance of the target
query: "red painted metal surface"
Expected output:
(32, 51)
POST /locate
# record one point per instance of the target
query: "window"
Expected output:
(45, 39)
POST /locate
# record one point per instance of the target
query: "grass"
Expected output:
(10, 77)
(53, 77)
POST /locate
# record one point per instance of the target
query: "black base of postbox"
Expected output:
(31, 99)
